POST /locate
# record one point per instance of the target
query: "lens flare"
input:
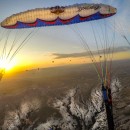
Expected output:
(4, 64)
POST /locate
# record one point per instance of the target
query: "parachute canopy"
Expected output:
(58, 15)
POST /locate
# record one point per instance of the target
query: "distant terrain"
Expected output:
(47, 84)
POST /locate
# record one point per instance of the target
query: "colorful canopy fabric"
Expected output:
(58, 15)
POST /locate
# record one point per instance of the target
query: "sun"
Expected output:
(4, 64)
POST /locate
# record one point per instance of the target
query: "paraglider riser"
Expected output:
(108, 105)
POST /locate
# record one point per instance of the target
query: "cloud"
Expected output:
(86, 54)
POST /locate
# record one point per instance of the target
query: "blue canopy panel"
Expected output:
(58, 21)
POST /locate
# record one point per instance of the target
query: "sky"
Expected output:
(49, 42)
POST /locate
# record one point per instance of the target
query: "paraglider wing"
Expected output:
(58, 15)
